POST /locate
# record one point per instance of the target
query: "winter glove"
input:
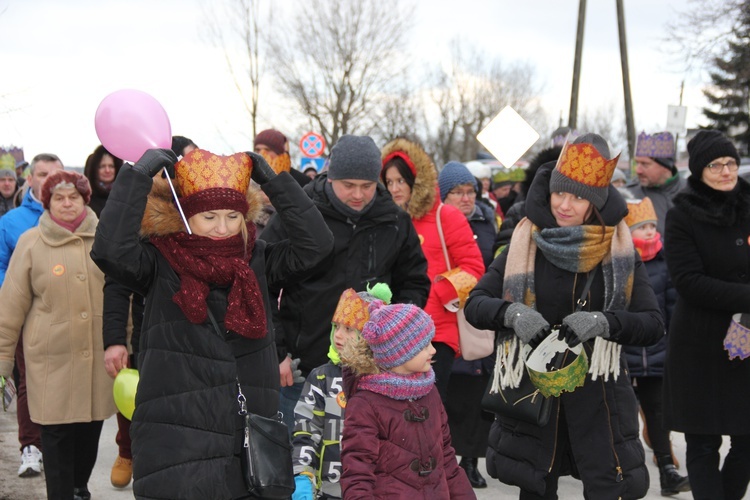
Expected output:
(262, 171)
(303, 488)
(529, 325)
(296, 372)
(582, 326)
(153, 160)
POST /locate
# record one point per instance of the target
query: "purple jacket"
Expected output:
(395, 449)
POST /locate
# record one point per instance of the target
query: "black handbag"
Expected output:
(267, 451)
(525, 402)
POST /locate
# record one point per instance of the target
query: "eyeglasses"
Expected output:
(461, 194)
(717, 168)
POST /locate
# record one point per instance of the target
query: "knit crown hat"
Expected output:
(352, 309)
(61, 178)
(584, 169)
(396, 333)
(640, 212)
(705, 147)
(659, 147)
(275, 140)
(355, 157)
(454, 174)
(211, 182)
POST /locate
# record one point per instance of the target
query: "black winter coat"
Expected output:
(186, 432)
(601, 417)
(649, 361)
(708, 254)
(382, 247)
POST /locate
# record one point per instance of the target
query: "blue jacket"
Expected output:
(13, 224)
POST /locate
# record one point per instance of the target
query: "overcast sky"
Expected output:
(61, 58)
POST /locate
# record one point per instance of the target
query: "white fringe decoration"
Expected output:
(508, 366)
(605, 359)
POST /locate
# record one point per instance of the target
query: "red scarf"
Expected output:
(74, 224)
(648, 248)
(198, 261)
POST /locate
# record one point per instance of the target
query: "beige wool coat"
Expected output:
(54, 291)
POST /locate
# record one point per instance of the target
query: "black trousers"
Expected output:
(648, 391)
(442, 365)
(707, 481)
(69, 456)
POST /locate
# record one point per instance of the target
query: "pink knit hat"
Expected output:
(396, 333)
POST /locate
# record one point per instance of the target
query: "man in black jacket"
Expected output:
(374, 241)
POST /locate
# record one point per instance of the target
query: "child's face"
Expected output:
(420, 363)
(343, 334)
(645, 232)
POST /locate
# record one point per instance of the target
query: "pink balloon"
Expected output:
(128, 122)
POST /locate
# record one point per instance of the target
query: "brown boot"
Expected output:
(122, 472)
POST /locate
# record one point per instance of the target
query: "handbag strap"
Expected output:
(582, 301)
(241, 401)
(442, 237)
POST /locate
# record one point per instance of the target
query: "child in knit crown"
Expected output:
(396, 442)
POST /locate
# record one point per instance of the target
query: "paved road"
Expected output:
(14, 488)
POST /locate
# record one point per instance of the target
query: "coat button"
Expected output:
(82, 277)
(85, 354)
(739, 242)
(84, 315)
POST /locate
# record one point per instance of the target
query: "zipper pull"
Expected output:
(619, 474)
(246, 443)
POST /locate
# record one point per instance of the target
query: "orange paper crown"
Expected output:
(200, 170)
(351, 310)
(640, 212)
(583, 163)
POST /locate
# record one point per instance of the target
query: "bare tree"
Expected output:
(335, 57)
(608, 123)
(401, 114)
(470, 91)
(237, 24)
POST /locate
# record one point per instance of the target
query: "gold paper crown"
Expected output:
(640, 211)
(660, 145)
(200, 170)
(583, 163)
(351, 310)
(462, 282)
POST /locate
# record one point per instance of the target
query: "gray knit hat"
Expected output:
(584, 171)
(355, 157)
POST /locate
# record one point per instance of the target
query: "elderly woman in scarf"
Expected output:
(207, 324)
(574, 227)
(54, 291)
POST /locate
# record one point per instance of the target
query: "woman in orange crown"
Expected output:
(186, 431)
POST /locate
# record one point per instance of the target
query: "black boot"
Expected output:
(81, 493)
(671, 481)
(470, 466)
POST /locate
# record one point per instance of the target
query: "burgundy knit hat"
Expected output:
(396, 333)
(58, 177)
(274, 139)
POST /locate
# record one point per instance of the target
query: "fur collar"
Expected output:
(719, 208)
(424, 191)
(53, 234)
(161, 216)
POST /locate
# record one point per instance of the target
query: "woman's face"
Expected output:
(106, 171)
(721, 177)
(66, 204)
(216, 224)
(569, 209)
(397, 186)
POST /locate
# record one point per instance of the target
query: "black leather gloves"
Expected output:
(262, 171)
(529, 325)
(153, 160)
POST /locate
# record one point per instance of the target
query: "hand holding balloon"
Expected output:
(124, 389)
(154, 160)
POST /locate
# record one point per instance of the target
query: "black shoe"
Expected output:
(470, 466)
(671, 481)
(81, 493)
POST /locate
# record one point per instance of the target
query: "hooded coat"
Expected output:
(459, 238)
(707, 244)
(601, 417)
(186, 432)
(382, 247)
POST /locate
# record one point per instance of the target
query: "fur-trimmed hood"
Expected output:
(424, 191)
(161, 216)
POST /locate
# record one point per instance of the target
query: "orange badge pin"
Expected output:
(58, 270)
(341, 399)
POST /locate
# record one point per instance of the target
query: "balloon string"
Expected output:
(179, 207)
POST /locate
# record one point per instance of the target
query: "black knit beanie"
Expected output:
(705, 147)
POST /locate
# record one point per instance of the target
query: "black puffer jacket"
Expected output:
(186, 432)
(601, 417)
(382, 247)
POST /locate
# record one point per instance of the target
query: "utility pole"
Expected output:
(573, 114)
(629, 121)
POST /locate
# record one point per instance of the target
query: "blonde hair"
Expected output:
(358, 356)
